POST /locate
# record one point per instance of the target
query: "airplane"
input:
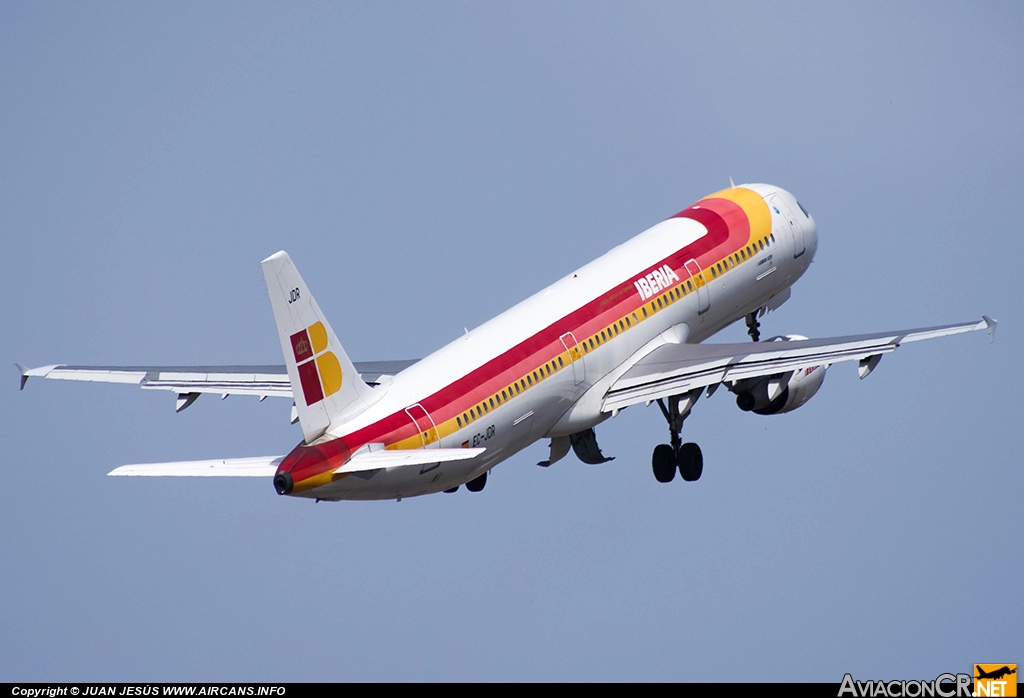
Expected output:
(996, 674)
(625, 329)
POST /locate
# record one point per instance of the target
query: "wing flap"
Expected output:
(674, 369)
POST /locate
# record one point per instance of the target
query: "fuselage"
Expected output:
(541, 369)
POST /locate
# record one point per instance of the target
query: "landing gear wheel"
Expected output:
(691, 462)
(454, 489)
(664, 463)
(477, 484)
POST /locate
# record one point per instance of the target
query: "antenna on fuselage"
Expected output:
(732, 184)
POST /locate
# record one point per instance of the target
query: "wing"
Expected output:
(674, 369)
(191, 381)
(266, 466)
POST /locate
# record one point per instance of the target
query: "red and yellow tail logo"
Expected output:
(995, 680)
(319, 370)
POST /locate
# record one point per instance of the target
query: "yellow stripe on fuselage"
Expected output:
(754, 205)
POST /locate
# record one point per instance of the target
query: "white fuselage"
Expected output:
(569, 400)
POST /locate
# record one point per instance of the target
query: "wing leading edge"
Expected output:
(674, 369)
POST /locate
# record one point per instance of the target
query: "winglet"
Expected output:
(989, 323)
(26, 372)
(24, 375)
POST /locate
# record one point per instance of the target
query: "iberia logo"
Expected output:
(319, 370)
(995, 679)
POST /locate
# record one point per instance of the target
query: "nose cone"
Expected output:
(308, 467)
(810, 235)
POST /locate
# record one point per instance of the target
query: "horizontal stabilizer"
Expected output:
(264, 466)
(375, 460)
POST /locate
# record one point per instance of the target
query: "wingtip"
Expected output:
(991, 325)
(24, 374)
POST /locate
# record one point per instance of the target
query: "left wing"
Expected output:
(674, 369)
(191, 381)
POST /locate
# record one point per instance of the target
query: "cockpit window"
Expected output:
(803, 209)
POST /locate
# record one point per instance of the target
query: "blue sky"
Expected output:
(428, 166)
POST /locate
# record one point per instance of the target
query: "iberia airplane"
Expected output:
(625, 329)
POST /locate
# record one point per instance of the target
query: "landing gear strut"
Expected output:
(753, 326)
(686, 457)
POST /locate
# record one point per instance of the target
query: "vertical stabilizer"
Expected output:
(326, 386)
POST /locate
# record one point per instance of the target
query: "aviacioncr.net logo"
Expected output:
(943, 686)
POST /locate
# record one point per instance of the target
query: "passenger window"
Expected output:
(528, 380)
(503, 395)
(713, 273)
(689, 284)
(634, 318)
(492, 403)
(485, 408)
(627, 321)
(458, 420)
(560, 361)
(603, 338)
(644, 310)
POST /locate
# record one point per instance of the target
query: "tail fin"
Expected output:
(326, 386)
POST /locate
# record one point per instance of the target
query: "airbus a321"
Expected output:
(625, 329)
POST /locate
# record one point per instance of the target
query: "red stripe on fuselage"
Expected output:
(728, 231)
(717, 215)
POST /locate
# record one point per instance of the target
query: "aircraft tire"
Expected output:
(477, 484)
(454, 489)
(691, 462)
(663, 463)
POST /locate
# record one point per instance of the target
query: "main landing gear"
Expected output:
(477, 484)
(474, 485)
(686, 457)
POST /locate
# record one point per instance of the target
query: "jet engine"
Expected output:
(780, 393)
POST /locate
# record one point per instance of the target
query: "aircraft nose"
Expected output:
(811, 235)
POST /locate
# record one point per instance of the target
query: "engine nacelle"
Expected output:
(782, 392)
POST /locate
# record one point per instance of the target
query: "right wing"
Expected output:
(675, 369)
